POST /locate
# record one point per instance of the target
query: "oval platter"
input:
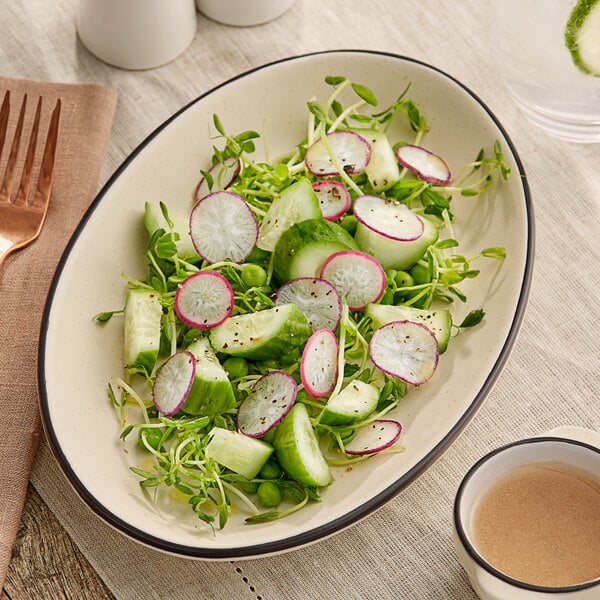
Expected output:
(78, 358)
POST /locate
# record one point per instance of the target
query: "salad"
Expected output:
(283, 319)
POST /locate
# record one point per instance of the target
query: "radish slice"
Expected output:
(333, 197)
(428, 166)
(174, 382)
(271, 398)
(318, 366)
(356, 275)
(389, 218)
(204, 300)
(317, 299)
(223, 227)
(406, 350)
(223, 175)
(351, 151)
(372, 438)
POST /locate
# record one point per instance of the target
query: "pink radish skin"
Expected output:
(173, 383)
(271, 398)
(388, 218)
(223, 174)
(375, 437)
(223, 227)
(357, 276)
(350, 149)
(406, 350)
(334, 198)
(318, 365)
(204, 300)
(425, 164)
(317, 299)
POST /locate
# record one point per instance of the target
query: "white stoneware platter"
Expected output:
(78, 358)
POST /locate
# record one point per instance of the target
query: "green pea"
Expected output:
(404, 279)
(236, 367)
(153, 437)
(253, 275)
(349, 223)
(270, 470)
(269, 494)
(420, 274)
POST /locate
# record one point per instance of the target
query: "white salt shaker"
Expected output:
(136, 34)
(243, 13)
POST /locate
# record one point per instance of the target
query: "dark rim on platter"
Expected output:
(460, 530)
(371, 504)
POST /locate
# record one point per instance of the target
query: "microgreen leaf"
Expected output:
(103, 317)
(494, 252)
(317, 109)
(447, 243)
(473, 318)
(365, 93)
(218, 125)
(334, 79)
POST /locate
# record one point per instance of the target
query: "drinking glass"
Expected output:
(531, 53)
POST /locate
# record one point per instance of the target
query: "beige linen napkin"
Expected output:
(86, 120)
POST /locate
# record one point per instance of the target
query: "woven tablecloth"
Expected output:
(404, 550)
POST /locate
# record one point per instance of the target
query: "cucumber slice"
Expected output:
(304, 247)
(211, 392)
(582, 36)
(396, 254)
(275, 332)
(141, 328)
(354, 403)
(296, 203)
(382, 170)
(297, 449)
(242, 454)
(439, 321)
(154, 220)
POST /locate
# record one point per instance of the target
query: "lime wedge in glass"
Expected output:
(582, 36)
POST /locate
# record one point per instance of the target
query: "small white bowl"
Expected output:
(574, 446)
(243, 13)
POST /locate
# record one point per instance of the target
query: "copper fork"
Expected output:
(22, 216)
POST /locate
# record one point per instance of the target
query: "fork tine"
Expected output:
(25, 184)
(21, 221)
(44, 184)
(7, 182)
(4, 111)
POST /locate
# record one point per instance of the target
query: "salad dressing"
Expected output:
(540, 524)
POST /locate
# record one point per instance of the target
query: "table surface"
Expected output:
(62, 552)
